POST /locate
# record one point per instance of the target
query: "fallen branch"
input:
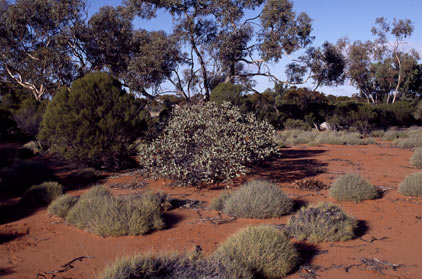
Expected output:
(373, 239)
(67, 266)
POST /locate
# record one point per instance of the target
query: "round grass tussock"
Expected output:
(257, 199)
(42, 195)
(325, 222)
(351, 187)
(98, 211)
(166, 267)
(61, 205)
(218, 202)
(264, 250)
(416, 159)
(411, 185)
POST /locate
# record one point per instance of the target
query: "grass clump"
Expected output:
(351, 187)
(61, 205)
(98, 211)
(25, 174)
(314, 138)
(42, 195)
(255, 199)
(219, 202)
(325, 222)
(263, 250)
(392, 135)
(411, 185)
(413, 139)
(190, 265)
(416, 159)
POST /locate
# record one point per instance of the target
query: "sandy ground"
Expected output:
(388, 243)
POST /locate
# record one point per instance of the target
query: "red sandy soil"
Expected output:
(389, 239)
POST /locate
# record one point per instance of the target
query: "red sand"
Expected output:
(389, 235)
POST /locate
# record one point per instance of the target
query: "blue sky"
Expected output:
(332, 19)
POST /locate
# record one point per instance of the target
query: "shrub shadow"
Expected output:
(307, 252)
(361, 229)
(290, 166)
(171, 219)
(6, 271)
(6, 237)
(11, 212)
(298, 204)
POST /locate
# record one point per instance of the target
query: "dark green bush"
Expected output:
(205, 143)
(227, 92)
(98, 211)
(351, 187)
(29, 115)
(24, 174)
(411, 185)
(61, 205)
(263, 250)
(95, 121)
(257, 199)
(325, 222)
(296, 124)
(7, 124)
(42, 195)
(416, 159)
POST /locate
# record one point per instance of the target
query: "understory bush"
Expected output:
(95, 121)
(61, 205)
(255, 199)
(392, 135)
(24, 174)
(413, 139)
(264, 250)
(42, 194)
(293, 137)
(170, 266)
(100, 212)
(296, 124)
(411, 185)
(416, 159)
(325, 222)
(205, 143)
(351, 187)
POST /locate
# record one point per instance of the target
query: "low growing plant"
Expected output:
(256, 199)
(205, 143)
(416, 159)
(351, 187)
(42, 194)
(263, 250)
(61, 205)
(219, 202)
(98, 211)
(411, 185)
(325, 222)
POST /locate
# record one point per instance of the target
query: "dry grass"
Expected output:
(263, 250)
(255, 199)
(61, 205)
(42, 195)
(325, 222)
(416, 159)
(411, 185)
(351, 187)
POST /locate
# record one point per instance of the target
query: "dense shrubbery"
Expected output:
(94, 121)
(227, 92)
(263, 250)
(351, 187)
(42, 195)
(325, 222)
(205, 143)
(255, 199)
(98, 211)
(296, 124)
(24, 174)
(411, 185)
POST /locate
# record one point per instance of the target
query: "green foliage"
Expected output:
(263, 250)
(42, 195)
(325, 222)
(94, 121)
(416, 159)
(227, 92)
(206, 143)
(411, 185)
(167, 266)
(400, 113)
(99, 212)
(7, 124)
(29, 115)
(61, 205)
(351, 187)
(296, 124)
(24, 174)
(256, 199)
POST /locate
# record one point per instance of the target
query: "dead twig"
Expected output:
(67, 266)
(374, 239)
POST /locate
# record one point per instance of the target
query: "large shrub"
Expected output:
(42, 195)
(98, 211)
(255, 199)
(205, 143)
(351, 187)
(263, 250)
(94, 121)
(325, 222)
(411, 185)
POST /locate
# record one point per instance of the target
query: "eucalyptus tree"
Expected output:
(232, 41)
